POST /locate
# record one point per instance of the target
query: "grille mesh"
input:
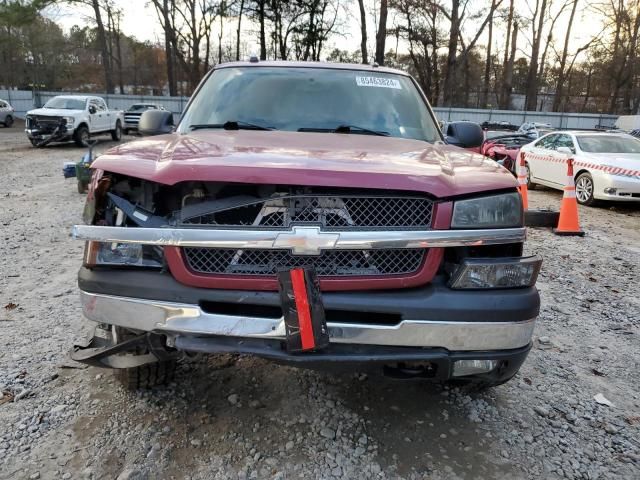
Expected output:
(327, 211)
(335, 263)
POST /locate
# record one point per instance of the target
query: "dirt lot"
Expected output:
(242, 418)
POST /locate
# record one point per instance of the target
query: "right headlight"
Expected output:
(489, 273)
(123, 255)
(495, 211)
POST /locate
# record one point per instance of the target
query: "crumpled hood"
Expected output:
(54, 112)
(313, 159)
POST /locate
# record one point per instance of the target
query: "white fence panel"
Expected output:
(555, 119)
(24, 100)
(20, 100)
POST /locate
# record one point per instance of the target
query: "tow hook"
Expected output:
(406, 371)
(100, 352)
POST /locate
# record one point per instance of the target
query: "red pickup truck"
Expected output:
(336, 169)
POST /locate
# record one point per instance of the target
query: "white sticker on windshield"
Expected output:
(378, 82)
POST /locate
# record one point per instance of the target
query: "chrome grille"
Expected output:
(334, 263)
(329, 211)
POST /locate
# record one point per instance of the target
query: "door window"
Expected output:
(548, 142)
(565, 140)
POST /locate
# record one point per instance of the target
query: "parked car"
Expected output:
(73, 117)
(6, 113)
(606, 165)
(503, 147)
(535, 130)
(133, 113)
(499, 125)
(405, 254)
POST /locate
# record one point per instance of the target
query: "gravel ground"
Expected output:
(228, 417)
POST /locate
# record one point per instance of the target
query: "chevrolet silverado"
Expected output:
(416, 245)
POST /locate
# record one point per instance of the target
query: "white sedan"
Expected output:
(606, 165)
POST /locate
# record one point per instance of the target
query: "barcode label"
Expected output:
(378, 82)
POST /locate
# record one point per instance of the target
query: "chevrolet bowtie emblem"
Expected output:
(306, 240)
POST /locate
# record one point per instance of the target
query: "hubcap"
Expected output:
(584, 189)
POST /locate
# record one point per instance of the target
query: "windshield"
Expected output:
(608, 144)
(136, 108)
(313, 99)
(66, 103)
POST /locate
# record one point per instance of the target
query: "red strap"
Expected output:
(302, 305)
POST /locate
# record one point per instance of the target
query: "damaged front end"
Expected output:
(114, 347)
(44, 130)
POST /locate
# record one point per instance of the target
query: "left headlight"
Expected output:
(123, 255)
(69, 121)
(495, 211)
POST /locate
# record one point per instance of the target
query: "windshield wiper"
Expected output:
(230, 125)
(345, 129)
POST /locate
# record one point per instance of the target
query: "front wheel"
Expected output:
(8, 121)
(116, 134)
(145, 376)
(530, 184)
(585, 189)
(81, 136)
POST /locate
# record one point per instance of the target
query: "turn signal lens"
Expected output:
(485, 273)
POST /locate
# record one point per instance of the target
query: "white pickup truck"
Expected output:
(73, 117)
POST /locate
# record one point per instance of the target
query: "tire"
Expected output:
(33, 142)
(81, 136)
(145, 376)
(116, 135)
(8, 121)
(530, 184)
(584, 189)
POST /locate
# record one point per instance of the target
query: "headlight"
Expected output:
(123, 254)
(69, 121)
(484, 273)
(496, 211)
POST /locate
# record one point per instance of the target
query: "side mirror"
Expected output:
(464, 134)
(565, 150)
(92, 109)
(155, 122)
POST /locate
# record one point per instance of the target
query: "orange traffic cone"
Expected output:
(569, 224)
(522, 181)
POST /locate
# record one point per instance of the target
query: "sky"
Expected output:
(140, 21)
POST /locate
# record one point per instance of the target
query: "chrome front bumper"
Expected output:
(176, 319)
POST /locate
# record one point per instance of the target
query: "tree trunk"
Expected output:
(532, 74)
(508, 37)
(263, 38)
(434, 59)
(222, 14)
(505, 101)
(487, 65)
(382, 33)
(557, 100)
(363, 32)
(104, 50)
(452, 54)
(587, 93)
(238, 30)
